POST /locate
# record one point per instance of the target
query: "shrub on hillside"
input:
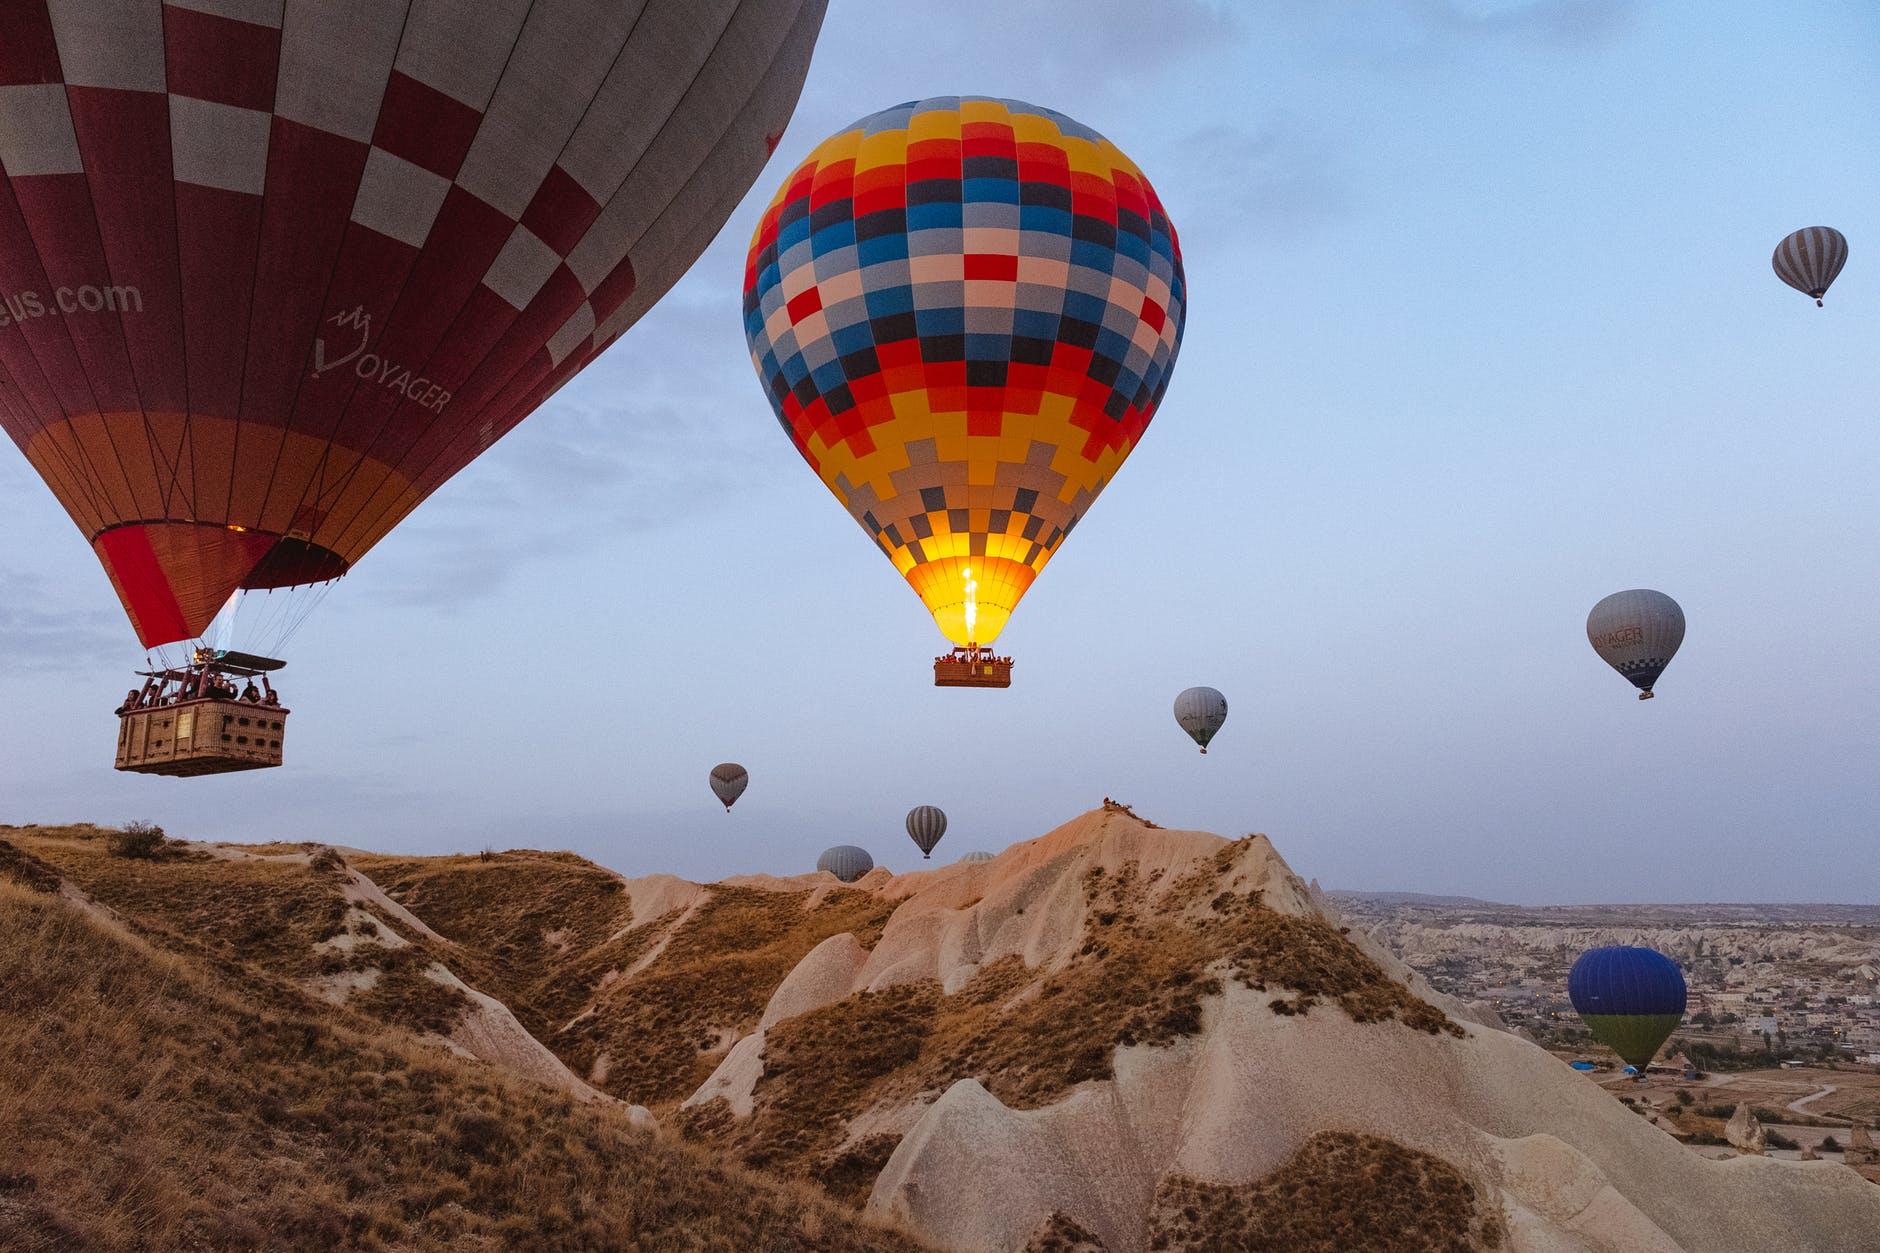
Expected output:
(1340, 1191)
(137, 839)
(327, 861)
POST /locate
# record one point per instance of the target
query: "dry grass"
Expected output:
(849, 1175)
(145, 1104)
(1340, 1192)
(247, 917)
(1058, 1234)
(25, 869)
(546, 933)
(664, 1030)
(257, 923)
(530, 923)
(404, 993)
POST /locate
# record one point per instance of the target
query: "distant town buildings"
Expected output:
(1782, 986)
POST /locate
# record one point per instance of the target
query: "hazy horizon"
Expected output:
(1482, 327)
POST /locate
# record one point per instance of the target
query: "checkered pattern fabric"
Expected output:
(274, 270)
(965, 312)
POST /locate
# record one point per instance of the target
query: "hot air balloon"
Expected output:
(1637, 633)
(1201, 711)
(965, 312)
(728, 780)
(1631, 999)
(975, 857)
(846, 862)
(925, 825)
(1810, 259)
(272, 278)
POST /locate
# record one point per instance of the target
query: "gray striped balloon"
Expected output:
(846, 862)
(1637, 633)
(1809, 259)
(1201, 711)
(729, 780)
(925, 825)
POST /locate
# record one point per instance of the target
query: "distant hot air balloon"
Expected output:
(965, 312)
(1637, 633)
(925, 825)
(729, 780)
(1201, 711)
(273, 277)
(975, 857)
(1631, 999)
(846, 862)
(1809, 259)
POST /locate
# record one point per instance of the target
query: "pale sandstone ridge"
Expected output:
(1030, 901)
(824, 976)
(1568, 1168)
(489, 1032)
(1745, 1132)
(655, 896)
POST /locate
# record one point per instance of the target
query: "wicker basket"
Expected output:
(200, 737)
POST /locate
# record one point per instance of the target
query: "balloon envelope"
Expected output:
(846, 862)
(272, 279)
(728, 780)
(965, 312)
(1202, 712)
(1631, 999)
(925, 825)
(1809, 260)
(1637, 633)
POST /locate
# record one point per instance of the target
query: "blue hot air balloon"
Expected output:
(1630, 998)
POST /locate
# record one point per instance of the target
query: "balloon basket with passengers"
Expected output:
(195, 719)
(972, 666)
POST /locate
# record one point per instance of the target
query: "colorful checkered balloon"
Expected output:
(965, 312)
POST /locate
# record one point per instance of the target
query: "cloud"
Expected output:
(1233, 183)
(1561, 23)
(35, 638)
(670, 424)
(1053, 54)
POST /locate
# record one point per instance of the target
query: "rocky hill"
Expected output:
(1114, 1036)
(227, 1049)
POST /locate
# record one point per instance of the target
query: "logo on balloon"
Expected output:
(374, 368)
(1621, 637)
(23, 306)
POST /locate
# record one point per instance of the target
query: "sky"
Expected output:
(1481, 328)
